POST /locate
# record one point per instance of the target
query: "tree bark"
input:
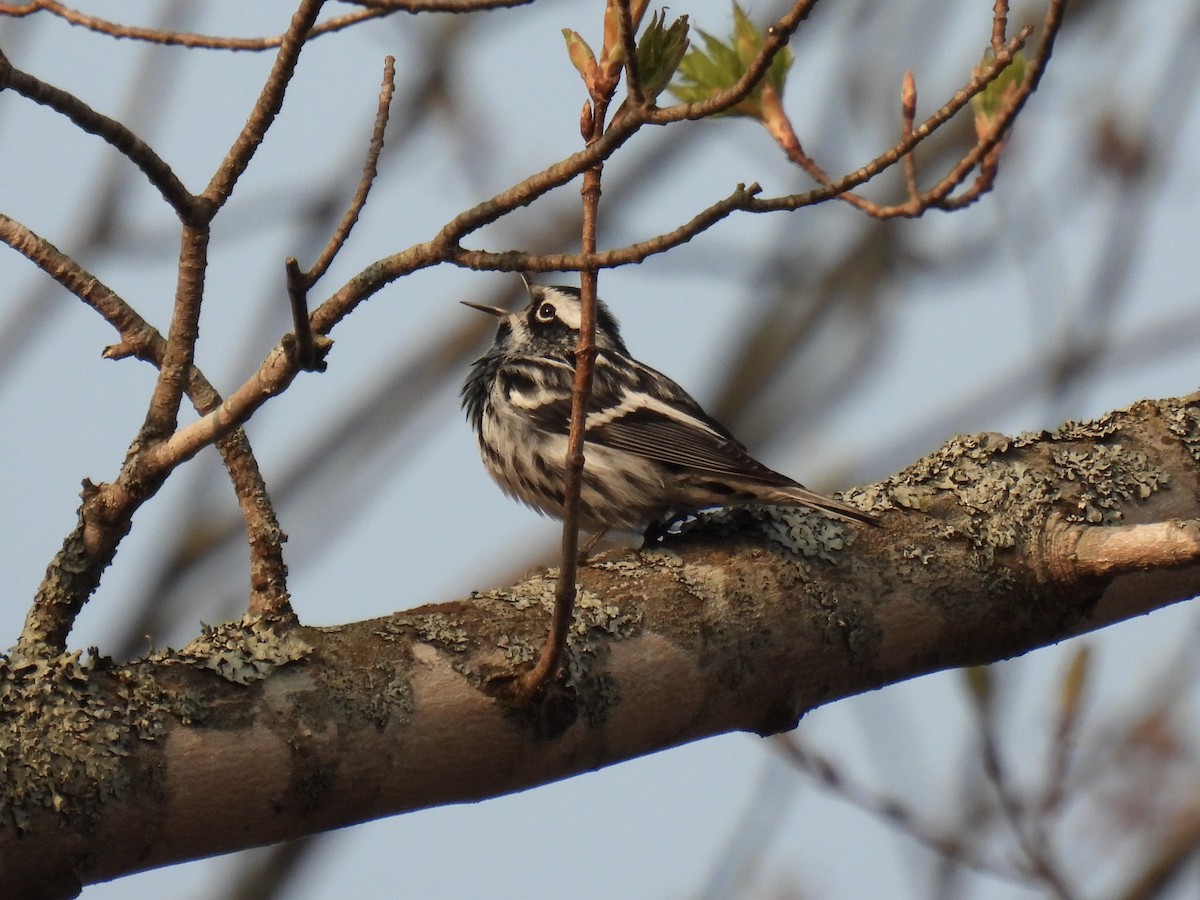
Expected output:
(261, 732)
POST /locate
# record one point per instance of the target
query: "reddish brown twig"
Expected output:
(180, 38)
(999, 24)
(937, 195)
(595, 111)
(633, 78)
(908, 114)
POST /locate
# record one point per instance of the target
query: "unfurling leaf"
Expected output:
(612, 54)
(991, 101)
(581, 55)
(659, 52)
(720, 65)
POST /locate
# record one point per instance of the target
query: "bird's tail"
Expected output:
(802, 496)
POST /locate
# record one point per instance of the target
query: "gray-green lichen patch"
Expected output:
(64, 741)
(1004, 489)
(501, 633)
(444, 630)
(242, 652)
(1104, 476)
(1105, 426)
(998, 492)
(594, 624)
(1183, 420)
(800, 532)
(643, 564)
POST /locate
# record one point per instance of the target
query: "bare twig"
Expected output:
(581, 391)
(370, 170)
(1004, 118)
(983, 153)
(267, 106)
(999, 24)
(518, 261)
(163, 413)
(140, 339)
(448, 6)
(891, 156)
(309, 356)
(303, 346)
(109, 130)
(180, 38)
(908, 114)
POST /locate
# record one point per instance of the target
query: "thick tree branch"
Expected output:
(743, 622)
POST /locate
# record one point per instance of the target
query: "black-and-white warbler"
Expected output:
(651, 454)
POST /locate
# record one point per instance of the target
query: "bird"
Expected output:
(652, 455)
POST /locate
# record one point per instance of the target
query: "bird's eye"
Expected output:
(546, 312)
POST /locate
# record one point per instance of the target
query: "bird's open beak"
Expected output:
(494, 310)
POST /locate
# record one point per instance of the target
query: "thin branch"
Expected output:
(163, 412)
(447, 6)
(138, 338)
(181, 38)
(303, 345)
(546, 668)
(1004, 119)
(520, 261)
(528, 190)
(891, 156)
(908, 115)
(112, 132)
(266, 107)
(370, 170)
(999, 24)
(633, 78)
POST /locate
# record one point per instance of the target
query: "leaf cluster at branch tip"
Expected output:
(720, 65)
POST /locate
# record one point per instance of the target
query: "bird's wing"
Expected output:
(667, 434)
(635, 409)
(639, 410)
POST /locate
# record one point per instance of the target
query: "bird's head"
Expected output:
(551, 320)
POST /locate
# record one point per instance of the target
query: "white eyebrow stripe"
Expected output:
(633, 402)
(570, 310)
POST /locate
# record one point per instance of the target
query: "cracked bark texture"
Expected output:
(260, 732)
